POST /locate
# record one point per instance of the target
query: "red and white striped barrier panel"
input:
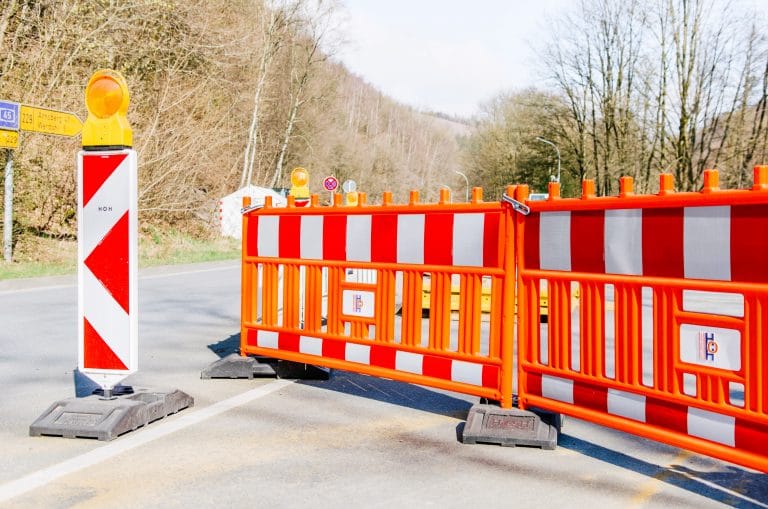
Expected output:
(438, 238)
(704, 242)
(107, 265)
(372, 260)
(665, 337)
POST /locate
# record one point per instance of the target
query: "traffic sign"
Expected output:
(47, 121)
(9, 139)
(9, 115)
(349, 186)
(330, 183)
(107, 233)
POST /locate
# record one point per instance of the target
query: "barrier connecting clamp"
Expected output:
(518, 206)
(245, 210)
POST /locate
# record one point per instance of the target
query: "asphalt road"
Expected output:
(352, 441)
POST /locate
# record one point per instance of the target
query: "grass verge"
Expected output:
(41, 256)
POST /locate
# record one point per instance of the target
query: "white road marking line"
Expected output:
(136, 439)
(141, 277)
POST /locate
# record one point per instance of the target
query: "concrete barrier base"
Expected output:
(107, 419)
(491, 424)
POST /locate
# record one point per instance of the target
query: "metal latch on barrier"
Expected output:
(245, 210)
(517, 205)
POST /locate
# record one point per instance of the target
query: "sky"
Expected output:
(444, 55)
(449, 55)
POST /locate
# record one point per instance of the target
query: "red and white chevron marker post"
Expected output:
(107, 236)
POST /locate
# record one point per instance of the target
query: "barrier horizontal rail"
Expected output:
(366, 256)
(643, 351)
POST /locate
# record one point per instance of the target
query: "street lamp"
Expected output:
(466, 187)
(539, 138)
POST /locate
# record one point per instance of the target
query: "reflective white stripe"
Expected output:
(555, 241)
(311, 238)
(467, 372)
(410, 238)
(553, 387)
(468, 236)
(624, 241)
(106, 316)
(409, 362)
(106, 207)
(266, 339)
(267, 236)
(357, 353)
(626, 404)
(359, 238)
(707, 243)
(711, 426)
(715, 303)
(310, 345)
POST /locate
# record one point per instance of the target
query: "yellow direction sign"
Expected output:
(9, 139)
(43, 120)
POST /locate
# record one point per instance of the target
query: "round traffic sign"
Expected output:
(349, 186)
(330, 183)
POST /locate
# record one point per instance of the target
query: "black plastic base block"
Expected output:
(300, 371)
(107, 419)
(236, 366)
(490, 424)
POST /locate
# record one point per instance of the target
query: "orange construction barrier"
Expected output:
(322, 285)
(669, 338)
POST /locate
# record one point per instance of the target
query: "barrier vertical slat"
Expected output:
(507, 228)
(559, 324)
(469, 319)
(313, 298)
(524, 305)
(269, 289)
(411, 315)
(592, 339)
(333, 320)
(440, 311)
(494, 320)
(246, 276)
(291, 296)
(664, 326)
(385, 305)
(628, 354)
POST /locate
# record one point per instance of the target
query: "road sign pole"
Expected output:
(8, 210)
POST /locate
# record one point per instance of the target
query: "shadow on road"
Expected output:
(732, 486)
(395, 393)
(226, 346)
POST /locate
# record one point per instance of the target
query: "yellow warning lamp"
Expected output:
(351, 199)
(106, 127)
(299, 184)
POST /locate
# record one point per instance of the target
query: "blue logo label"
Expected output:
(9, 115)
(707, 346)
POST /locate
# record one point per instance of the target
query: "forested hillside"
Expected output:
(223, 93)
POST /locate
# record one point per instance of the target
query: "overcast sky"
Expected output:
(448, 55)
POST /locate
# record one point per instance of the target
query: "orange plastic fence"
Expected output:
(323, 285)
(668, 337)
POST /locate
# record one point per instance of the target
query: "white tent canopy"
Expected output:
(229, 208)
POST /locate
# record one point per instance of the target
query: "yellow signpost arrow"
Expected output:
(9, 139)
(43, 120)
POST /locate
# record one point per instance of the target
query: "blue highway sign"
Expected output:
(9, 115)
